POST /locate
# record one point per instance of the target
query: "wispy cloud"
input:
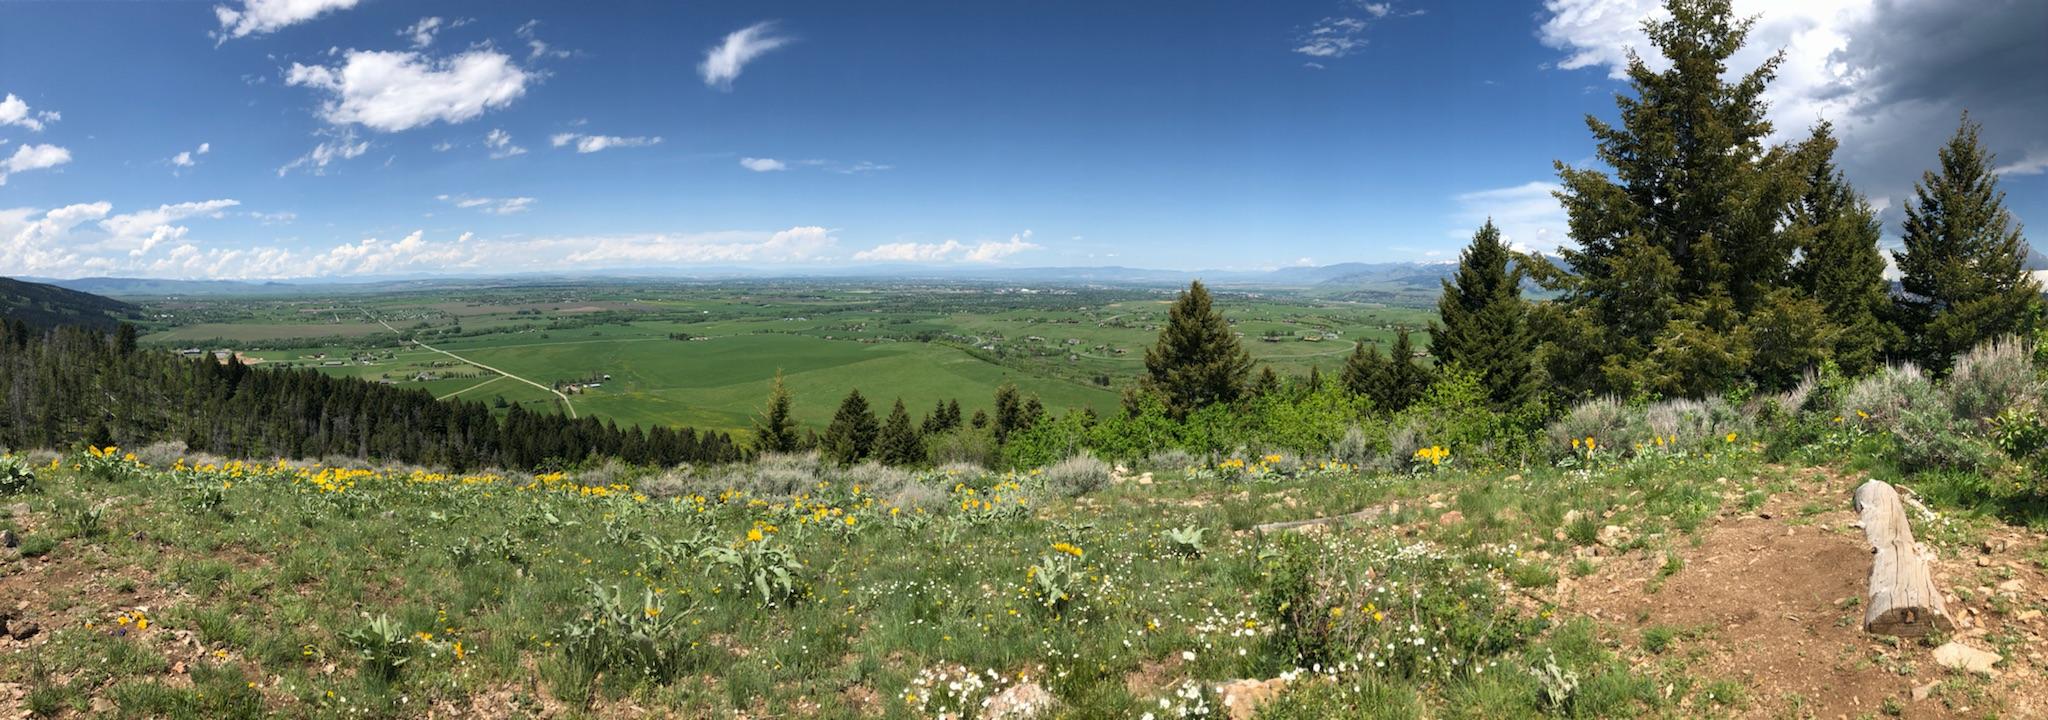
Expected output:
(593, 143)
(762, 164)
(190, 158)
(723, 62)
(1528, 215)
(494, 206)
(500, 144)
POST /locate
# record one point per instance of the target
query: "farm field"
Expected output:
(706, 355)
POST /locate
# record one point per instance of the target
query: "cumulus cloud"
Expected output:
(500, 144)
(494, 206)
(723, 62)
(762, 164)
(1528, 215)
(57, 242)
(15, 111)
(394, 91)
(593, 143)
(986, 251)
(189, 158)
(260, 17)
(33, 157)
(1892, 75)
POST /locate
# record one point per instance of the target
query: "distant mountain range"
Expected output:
(1368, 280)
(48, 305)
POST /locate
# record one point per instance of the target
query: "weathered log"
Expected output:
(1903, 599)
(1362, 515)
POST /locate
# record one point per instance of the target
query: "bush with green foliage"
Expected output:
(1077, 475)
(16, 477)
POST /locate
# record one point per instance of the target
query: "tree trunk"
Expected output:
(1903, 598)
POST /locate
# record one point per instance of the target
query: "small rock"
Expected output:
(1242, 698)
(9, 539)
(1450, 518)
(1993, 546)
(1024, 701)
(2014, 586)
(1957, 656)
(2028, 615)
(1517, 477)
(1923, 692)
(1983, 561)
(1615, 536)
(23, 630)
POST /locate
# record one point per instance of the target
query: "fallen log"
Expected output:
(1366, 514)
(1903, 599)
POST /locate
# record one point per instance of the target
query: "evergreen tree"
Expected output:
(1405, 379)
(1198, 360)
(851, 436)
(1484, 321)
(1366, 370)
(1964, 265)
(124, 339)
(980, 419)
(1315, 377)
(1840, 265)
(775, 429)
(1267, 383)
(898, 443)
(1009, 416)
(1688, 236)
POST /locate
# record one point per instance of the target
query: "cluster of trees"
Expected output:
(1711, 258)
(856, 434)
(74, 384)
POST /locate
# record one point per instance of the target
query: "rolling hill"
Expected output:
(46, 305)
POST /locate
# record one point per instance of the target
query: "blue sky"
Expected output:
(289, 138)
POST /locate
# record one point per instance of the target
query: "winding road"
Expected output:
(565, 398)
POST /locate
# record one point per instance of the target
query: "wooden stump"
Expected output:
(1903, 599)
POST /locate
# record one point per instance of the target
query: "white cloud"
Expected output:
(2033, 163)
(258, 17)
(33, 157)
(723, 63)
(539, 49)
(15, 111)
(394, 91)
(189, 158)
(762, 164)
(593, 143)
(797, 244)
(1332, 38)
(500, 143)
(422, 32)
(339, 146)
(1529, 217)
(987, 251)
(494, 206)
(143, 223)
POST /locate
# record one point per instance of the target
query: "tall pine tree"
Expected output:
(1686, 238)
(1405, 379)
(1484, 325)
(898, 442)
(1964, 266)
(1840, 265)
(1366, 370)
(851, 436)
(775, 429)
(1198, 360)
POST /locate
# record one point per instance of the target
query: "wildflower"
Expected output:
(1337, 612)
(1068, 549)
(1731, 437)
(754, 535)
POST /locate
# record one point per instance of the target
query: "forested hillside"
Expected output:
(48, 305)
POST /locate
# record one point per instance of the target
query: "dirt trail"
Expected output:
(1773, 599)
(565, 398)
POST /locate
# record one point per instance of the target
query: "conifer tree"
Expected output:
(898, 443)
(1365, 371)
(1687, 237)
(851, 436)
(1009, 415)
(1840, 265)
(1315, 377)
(1267, 383)
(1406, 379)
(1198, 360)
(1964, 265)
(1484, 324)
(775, 429)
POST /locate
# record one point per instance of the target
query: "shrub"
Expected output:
(1992, 377)
(1931, 436)
(1693, 421)
(962, 445)
(1880, 399)
(16, 477)
(877, 479)
(162, 454)
(1610, 422)
(772, 475)
(1353, 449)
(1173, 459)
(1077, 475)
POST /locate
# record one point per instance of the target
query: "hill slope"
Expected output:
(46, 305)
